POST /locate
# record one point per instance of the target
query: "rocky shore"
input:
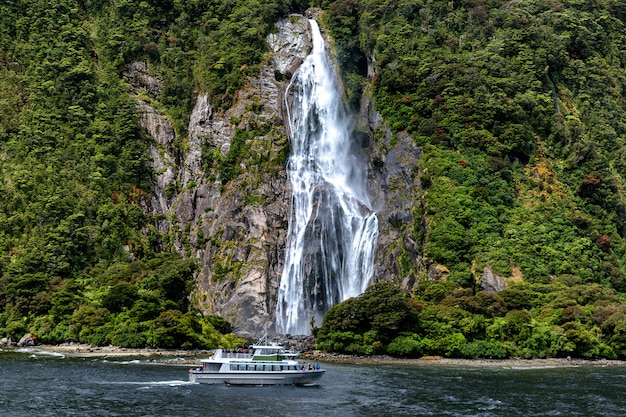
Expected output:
(83, 350)
(319, 356)
(187, 356)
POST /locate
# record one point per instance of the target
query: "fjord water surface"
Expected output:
(50, 385)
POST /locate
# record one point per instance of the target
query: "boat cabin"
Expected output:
(269, 353)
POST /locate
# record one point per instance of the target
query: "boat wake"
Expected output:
(123, 362)
(38, 352)
(150, 384)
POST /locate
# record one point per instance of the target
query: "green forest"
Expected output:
(518, 108)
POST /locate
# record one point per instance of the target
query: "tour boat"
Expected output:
(262, 364)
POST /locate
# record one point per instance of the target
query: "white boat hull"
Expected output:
(257, 378)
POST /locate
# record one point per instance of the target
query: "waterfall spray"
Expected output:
(333, 229)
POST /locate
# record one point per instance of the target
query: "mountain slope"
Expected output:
(519, 109)
(495, 129)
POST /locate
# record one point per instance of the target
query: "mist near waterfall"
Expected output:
(333, 229)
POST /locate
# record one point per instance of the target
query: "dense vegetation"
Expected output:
(79, 260)
(526, 320)
(518, 107)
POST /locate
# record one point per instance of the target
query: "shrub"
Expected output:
(406, 345)
(128, 334)
(490, 349)
(174, 329)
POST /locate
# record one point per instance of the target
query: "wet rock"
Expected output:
(399, 192)
(296, 343)
(27, 340)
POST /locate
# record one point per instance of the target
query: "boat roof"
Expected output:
(272, 346)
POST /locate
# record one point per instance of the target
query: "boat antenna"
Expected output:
(262, 340)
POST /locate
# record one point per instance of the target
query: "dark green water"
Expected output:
(48, 385)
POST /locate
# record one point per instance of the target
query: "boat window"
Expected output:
(212, 367)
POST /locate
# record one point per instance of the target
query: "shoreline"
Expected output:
(459, 362)
(189, 356)
(83, 350)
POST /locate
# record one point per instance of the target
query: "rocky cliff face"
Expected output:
(395, 172)
(233, 221)
(224, 198)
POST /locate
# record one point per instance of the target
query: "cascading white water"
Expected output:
(333, 229)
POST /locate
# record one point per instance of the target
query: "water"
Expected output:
(45, 385)
(333, 229)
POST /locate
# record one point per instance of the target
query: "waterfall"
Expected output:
(333, 229)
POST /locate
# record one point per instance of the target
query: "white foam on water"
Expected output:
(39, 352)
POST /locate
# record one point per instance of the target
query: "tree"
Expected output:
(371, 320)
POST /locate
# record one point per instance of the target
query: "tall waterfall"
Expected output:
(333, 229)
